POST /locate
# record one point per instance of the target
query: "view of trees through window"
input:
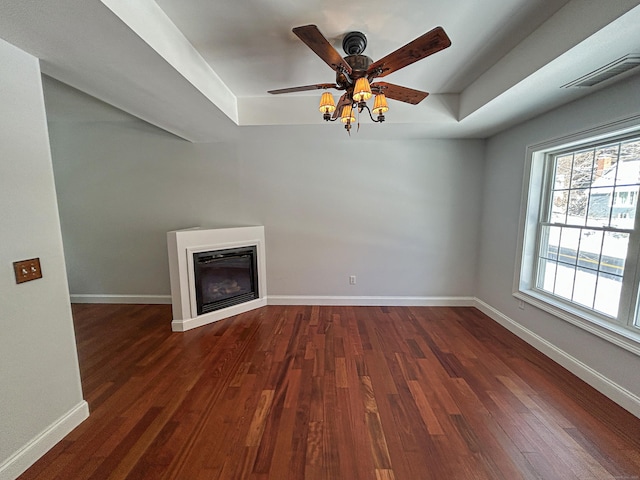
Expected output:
(585, 231)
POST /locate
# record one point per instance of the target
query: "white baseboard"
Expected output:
(130, 299)
(623, 397)
(17, 463)
(372, 301)
(296, 300)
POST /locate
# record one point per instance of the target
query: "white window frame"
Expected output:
(621, 333)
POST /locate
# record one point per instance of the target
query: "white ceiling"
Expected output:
(200, 68)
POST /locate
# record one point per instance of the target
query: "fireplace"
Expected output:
(224, 278)
(215, 273)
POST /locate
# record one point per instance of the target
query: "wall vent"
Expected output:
(617, 67)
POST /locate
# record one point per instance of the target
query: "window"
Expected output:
(580, 247)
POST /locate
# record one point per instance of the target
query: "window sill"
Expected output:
(617, 334)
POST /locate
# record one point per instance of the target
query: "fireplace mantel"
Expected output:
(182, 244)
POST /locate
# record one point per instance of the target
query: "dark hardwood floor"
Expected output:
(374, 393)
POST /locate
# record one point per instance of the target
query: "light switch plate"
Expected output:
(27, 270)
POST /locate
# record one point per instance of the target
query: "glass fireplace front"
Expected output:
(225, 277)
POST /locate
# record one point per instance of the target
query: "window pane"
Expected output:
(546, 275)
(582, 170)
(559, 206)
(628, 167)
(606, 158)
(577, 208)
(562, 176)
(549, 242)
(608, 294)
(565, 275)
(569, 240)
(590, 246)
(585, 287)
(614, 252)
(599, 207)
(623, 209)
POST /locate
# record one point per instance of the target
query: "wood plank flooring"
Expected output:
(296, 392)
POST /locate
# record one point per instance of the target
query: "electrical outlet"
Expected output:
(352, 280)
(27, 270)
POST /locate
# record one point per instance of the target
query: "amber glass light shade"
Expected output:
(362, 90)
(347, 114)
(380, 104)
(327, 105)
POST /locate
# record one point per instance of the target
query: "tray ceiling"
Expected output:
(198, 68)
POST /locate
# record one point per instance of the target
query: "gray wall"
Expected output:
(401, 215)
(505, 157)
(39, 376)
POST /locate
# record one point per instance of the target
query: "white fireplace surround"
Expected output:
(182, 244)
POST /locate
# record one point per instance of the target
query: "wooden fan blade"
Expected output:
(423, 46)
(342, 102)
(317, 42)
(396, 92)
(317, 86)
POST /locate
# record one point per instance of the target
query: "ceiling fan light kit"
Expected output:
(355, 72)
(347, 116)
(362, 90)
(327, 105)
(380, 104)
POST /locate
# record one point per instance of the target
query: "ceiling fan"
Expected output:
(355, 72)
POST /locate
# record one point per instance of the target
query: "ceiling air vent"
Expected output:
(617, 67)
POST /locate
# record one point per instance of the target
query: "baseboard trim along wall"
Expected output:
(127, 299)
(623, 397)
(20, 461)
(372, 301)
(296, 300)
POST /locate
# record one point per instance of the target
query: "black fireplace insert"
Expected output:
(225, 277)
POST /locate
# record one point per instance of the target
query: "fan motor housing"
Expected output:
(358, 62)
(359, 65)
